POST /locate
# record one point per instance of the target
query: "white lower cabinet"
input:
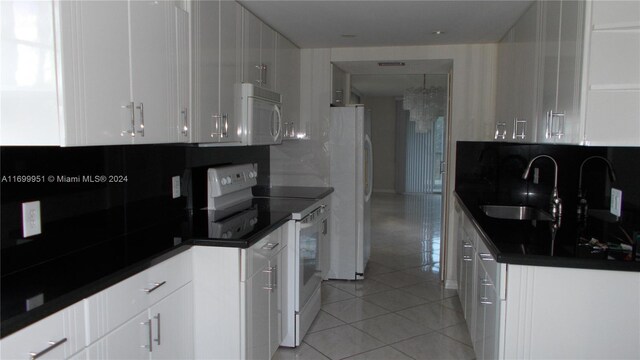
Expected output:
(57, 336)
(239, 299)
(544, 312)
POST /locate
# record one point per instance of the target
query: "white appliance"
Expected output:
(351, 178)
(261, 115)
(309, 233)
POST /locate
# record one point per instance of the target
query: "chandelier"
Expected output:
(425, 105)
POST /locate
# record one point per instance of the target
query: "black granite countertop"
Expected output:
(98, 254)
(529, 243)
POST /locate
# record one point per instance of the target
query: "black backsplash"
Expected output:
(492, 173)
(76, 215)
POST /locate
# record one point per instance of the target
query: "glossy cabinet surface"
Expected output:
(288, 85)
(238, 295)
(258, 51)
(216, 58)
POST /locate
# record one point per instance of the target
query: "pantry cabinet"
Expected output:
(217, 55)
(288, 85)
(258, 51)
(248, 287)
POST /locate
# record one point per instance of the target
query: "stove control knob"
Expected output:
(223, 181)
(228, 233)
(228, 178)
(253, 221)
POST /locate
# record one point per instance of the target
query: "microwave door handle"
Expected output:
(277, 129)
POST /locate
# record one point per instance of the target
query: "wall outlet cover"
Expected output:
(31, 218)
(175, 187)
(616, 202)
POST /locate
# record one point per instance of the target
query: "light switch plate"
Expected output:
(616, 202)
(175, 186)
(31, 218)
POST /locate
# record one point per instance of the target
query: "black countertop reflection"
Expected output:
(96, 255)
(529, 243)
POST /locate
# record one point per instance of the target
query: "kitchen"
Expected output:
(136, 206)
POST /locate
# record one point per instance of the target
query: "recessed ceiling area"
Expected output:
(321, 24)
(370, 79)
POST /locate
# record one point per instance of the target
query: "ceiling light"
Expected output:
(348, 35)
(438, 32)
(391, 63)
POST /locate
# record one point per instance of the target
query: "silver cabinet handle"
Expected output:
(225, 129)
(519, 134)
(270, 246)
(141, 108)
(217, 123)
(269, 285)
(554, 131)
(52, 345)
(485, 301)
(467, 258)
(260, 68)
(286, 130)
(486, 257)
(467, 245)
(274, 275)
(501, 135)
(157, 317)
(154, 288)
(150, 344)
(485, 282)
(263, 74)
(132, 131)
(185, 121)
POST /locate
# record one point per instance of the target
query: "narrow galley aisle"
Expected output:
(400, 310)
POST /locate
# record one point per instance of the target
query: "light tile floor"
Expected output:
(401, 310)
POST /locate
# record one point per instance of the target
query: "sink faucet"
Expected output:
(582, 202)
(556, 202)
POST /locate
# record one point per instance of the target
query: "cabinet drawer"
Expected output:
(55, 337)
(119, 303)
(487, 261)
(257, 256)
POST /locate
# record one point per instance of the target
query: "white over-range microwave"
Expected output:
(261, 115)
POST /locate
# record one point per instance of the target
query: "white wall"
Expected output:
(473, 112)
(306, 162)
(383, 139)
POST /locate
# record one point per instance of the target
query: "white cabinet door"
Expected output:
(150, 70)
(268, 55)
(181, 130)
(251, 65)
(172, 325)
(96, 83)
(288, 85)
(257, 314)
(37, 338)
(230, 69)
(275, 301)
(132, 340)
(505, 84)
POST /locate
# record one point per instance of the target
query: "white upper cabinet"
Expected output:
(611, 90)
(216, 71)
(288, 85)
(104, 72)
(258, 52)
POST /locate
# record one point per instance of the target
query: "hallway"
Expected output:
(400, 310)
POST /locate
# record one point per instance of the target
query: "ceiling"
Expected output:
(321, 24)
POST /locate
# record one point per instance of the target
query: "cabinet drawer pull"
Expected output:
(155, 286)
(486, 257)
(501, 134)
(485, 301)
(522, 134)
(52, 345)
(141, 108)
(467, 258)
(467, 245)
(131, 106)
(270, 246)
(185, 121)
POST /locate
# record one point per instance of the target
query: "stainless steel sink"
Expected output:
(514, 212)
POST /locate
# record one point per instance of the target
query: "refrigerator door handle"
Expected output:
(368, 168)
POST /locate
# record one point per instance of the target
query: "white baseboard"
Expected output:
(451, 284)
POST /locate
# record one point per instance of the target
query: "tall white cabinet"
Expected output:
(288, 85)
(217, 60)
(258, 51)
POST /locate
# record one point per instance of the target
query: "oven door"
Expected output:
(308, 264)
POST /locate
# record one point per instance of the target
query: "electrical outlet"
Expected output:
(31, 218)
(616, 202)
(175, 186)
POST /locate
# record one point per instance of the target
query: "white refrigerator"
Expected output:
(351, 178)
